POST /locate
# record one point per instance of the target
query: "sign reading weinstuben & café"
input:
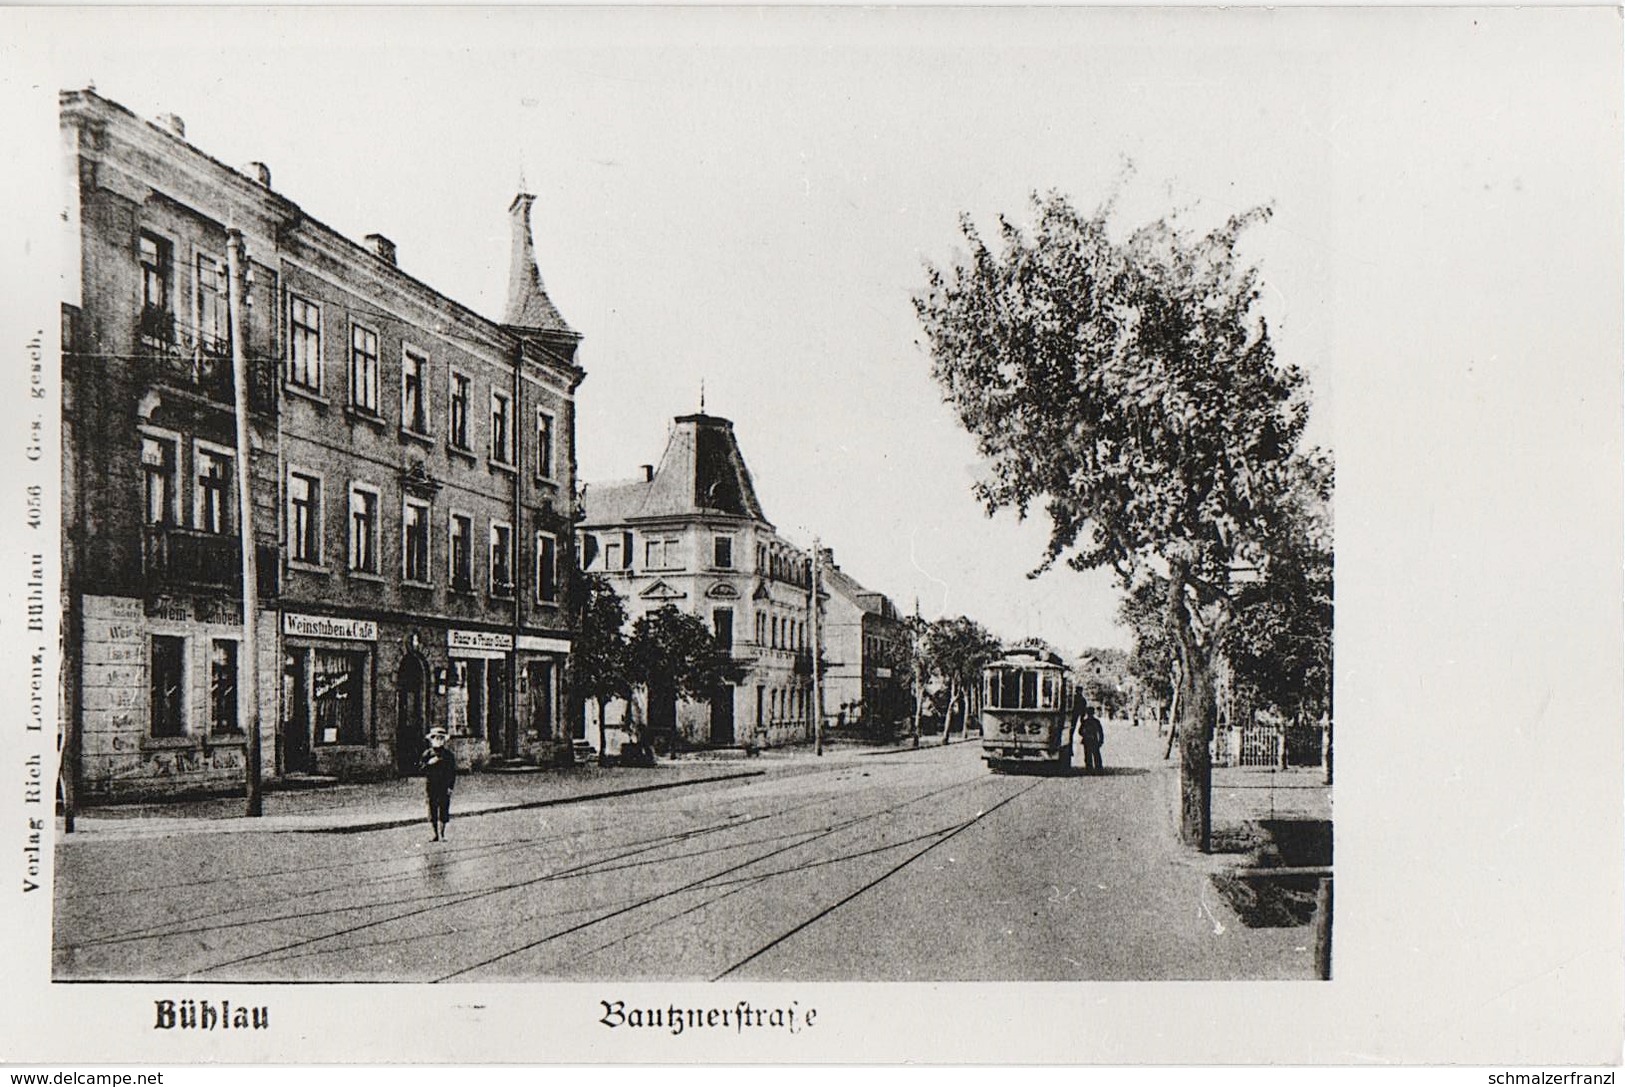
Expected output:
(324, 626)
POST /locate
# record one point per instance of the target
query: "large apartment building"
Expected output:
(691, 533)
(412, 484)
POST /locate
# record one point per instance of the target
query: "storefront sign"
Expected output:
(537, 644)
(321, 626)
(481, 640)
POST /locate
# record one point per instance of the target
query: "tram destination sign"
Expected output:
(324, 626)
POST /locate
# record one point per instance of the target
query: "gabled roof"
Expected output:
(837, 580)
(702, 472)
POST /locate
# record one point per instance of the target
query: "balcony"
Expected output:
(182, 558)
(195, 362)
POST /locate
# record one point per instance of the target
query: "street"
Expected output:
(900, 866)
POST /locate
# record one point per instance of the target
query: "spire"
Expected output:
(528, 307)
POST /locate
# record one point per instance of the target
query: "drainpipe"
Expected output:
(248, 659)
(515, 447)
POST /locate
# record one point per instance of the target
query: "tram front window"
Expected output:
(1010, 696)
(1029, 690)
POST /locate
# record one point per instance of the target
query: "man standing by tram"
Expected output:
(1093, 737)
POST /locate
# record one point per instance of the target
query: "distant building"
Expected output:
(867, 684)
(413, 484)
(691, 533)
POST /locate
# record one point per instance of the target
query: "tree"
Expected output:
(1280, 644)
(672, 654)
(1131, 388)
(956, 650)
(598, 656)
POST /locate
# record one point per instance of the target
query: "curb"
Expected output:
(247, 826)
(552, 802)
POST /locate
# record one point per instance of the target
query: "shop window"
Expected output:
(466, 698)
(168, 672)
(223, 687)
(338, 682)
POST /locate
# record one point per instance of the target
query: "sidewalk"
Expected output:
(347, 808)
(381, 805)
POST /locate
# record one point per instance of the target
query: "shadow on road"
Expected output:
(1037, 770)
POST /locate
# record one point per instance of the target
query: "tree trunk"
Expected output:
(1197, 712)
(603, 745)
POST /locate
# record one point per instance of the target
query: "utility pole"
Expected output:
(248, 657)
(817, 653)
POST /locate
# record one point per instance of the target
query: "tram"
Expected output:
(1026, 711)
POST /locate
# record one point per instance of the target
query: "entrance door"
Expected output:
(295, 715)
(663, 718)
(722, 716)
(539, 680)
(412, 704)
(499, 722)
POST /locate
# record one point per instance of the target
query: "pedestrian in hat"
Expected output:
(439, 768)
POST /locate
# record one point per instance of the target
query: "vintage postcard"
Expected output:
(801, 535)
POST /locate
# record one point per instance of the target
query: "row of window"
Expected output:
(305, 372)
(213, 493)
(780, 632)
(214, 506)
(306, 534)
(659, 552)
(155, 255)
(305, 361)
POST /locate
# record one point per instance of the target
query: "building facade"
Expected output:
(412, 484)
(867, 683)
(691, 533)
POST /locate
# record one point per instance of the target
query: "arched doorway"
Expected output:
(412, 721)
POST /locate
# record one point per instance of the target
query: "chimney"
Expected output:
(260, 172)
(826, 555)
(648, 473)
(382, 246)
(172, 124)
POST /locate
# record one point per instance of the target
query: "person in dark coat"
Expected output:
(439, 768)
(1093, 737)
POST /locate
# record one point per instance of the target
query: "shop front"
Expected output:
(329, 686)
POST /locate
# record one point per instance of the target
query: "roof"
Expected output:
(701, 473)
(529, 308)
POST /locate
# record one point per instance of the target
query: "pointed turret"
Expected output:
(529, 309)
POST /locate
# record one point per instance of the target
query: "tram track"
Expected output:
(633, 856)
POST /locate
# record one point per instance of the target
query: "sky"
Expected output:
(746, 201)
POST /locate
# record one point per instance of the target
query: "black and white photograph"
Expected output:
(766, 534)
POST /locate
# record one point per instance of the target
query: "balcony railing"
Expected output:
(185, 558)
(199, 362)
